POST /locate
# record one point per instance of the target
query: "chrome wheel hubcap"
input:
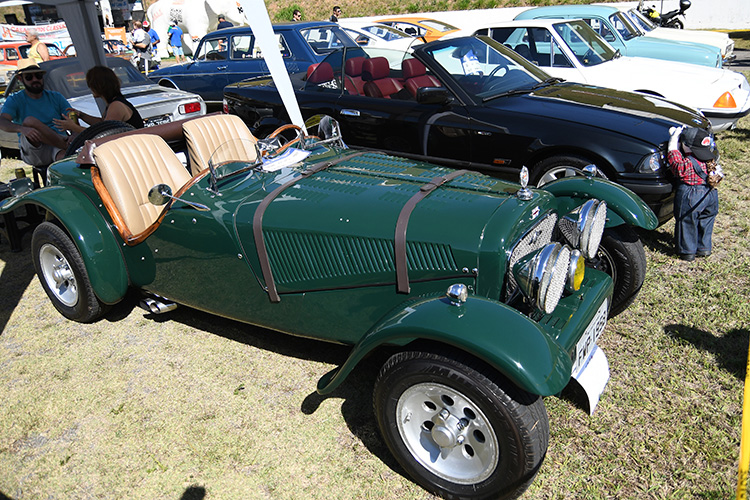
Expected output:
(447, 433)
(58, 275)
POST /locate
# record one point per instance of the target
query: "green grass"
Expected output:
(136, 406)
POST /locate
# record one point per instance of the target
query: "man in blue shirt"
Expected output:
(30, 112)
(223, 23)
(175, 41)
(155, 40)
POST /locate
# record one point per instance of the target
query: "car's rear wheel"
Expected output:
(458, 428)
(63, 274)
(97, 131)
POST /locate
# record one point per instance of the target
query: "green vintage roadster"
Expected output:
(476, 285)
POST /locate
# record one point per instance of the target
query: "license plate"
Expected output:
(158, 120)
(587, 342)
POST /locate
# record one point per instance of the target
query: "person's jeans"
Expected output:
(695, 209)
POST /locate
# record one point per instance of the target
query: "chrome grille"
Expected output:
(539, 236)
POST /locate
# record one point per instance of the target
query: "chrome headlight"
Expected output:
(650, 164)
(584, 226)
(541, 275)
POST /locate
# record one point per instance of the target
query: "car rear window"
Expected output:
(325, 39)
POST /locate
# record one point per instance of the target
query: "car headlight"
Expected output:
(650, 164)
(584, 226)
(541, 275)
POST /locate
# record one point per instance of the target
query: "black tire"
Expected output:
(676, 24)
(621, 255)
(63, 275)
(494, 435)
(96, 131)
(556, 167)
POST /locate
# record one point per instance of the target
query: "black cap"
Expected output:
(700, 142)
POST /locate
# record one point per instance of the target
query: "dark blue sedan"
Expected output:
(230, 55)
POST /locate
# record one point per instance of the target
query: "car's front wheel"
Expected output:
(63, 274)
(458, 428)
(621, 255)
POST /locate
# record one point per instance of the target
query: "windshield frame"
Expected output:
(530, 75)
(590, 38)
(631, 30)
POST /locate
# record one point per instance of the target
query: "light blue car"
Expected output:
(617, 28)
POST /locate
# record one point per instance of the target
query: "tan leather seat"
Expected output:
(205, 135)
(124, 171)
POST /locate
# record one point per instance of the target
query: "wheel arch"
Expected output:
(520, 351)
(168, 83)
(599, 159)
(623, 206)
(89, 232)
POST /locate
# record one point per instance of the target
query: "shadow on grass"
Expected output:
(355, 391)
(729, 350)
(659, 240)
(15, 278)
(192, 493)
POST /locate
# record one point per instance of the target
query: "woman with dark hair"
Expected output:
(103, 83)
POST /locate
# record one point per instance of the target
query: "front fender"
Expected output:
(90, 233)
(510, 342)
(624, 206)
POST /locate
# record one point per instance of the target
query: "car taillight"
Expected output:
(191, 107)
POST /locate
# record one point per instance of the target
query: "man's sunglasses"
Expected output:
(33, 76)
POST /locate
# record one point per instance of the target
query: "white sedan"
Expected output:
(714, 38)
(374, 34)
(571, 50)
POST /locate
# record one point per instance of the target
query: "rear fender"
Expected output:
(623, 206)
(90, 233)
(508, 341)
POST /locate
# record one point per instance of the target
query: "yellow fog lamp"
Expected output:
(576, 271)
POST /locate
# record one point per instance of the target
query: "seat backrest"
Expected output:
(378, 83)
(354, 83)
(129, 167)
(523, 50)
(319, 73)
(416, 77)
(204, 136)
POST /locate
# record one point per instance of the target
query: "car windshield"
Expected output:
(484, 68)
(589, 48)
(437, 25)
(624, 26)
(387, 33)
(643, 23)
(53, 50)
(326, 39)
(70, 79)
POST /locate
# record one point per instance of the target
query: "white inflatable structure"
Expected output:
(194, 17)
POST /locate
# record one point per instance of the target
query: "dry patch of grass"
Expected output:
(137, 406)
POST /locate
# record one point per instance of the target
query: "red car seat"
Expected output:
(353, 75)
(378, 83)
(319, 73)
(415, 76)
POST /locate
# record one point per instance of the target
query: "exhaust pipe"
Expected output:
(157, 306)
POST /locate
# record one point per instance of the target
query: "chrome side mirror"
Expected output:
(162, 193)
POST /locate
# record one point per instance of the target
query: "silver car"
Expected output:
(156, 104)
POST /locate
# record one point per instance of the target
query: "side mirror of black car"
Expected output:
(434, 95)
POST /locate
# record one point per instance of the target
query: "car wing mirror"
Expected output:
(434, 95)
(161, 193)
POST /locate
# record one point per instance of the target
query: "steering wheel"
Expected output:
(283, 129)
(589, 56)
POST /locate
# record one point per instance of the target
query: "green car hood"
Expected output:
(336, 228)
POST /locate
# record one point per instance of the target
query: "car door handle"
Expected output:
(350, 112)
(221, 68)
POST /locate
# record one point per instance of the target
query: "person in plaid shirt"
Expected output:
(696, 204)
